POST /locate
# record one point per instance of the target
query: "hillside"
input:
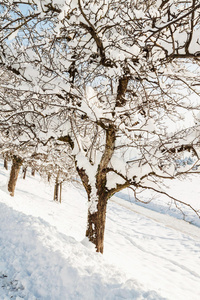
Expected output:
(150, 253)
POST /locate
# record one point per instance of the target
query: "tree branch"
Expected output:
(171, 197)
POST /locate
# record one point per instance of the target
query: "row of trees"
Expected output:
(111, 83)
(21, 120)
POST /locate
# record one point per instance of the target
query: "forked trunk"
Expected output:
(16, 164)
(96, 224)
(97, 215)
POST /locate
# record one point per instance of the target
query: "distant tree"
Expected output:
(20, 120)
(17, 137)
(24, 171)
(16, 165)
(5, 162)
(120, 75)
(28, 134)
(53, 162)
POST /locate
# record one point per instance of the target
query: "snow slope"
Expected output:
(44, 255)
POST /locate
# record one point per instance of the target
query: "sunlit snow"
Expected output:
(150, 252)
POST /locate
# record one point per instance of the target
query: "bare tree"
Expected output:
(117, 73)
(27, 132)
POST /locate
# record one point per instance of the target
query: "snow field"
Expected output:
(44, 255)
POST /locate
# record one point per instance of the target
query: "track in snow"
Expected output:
(168, 221)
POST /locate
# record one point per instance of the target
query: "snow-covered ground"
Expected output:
(150, 253)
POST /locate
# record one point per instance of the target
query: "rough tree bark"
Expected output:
(16, 164)
(97, 217)
(96, 225)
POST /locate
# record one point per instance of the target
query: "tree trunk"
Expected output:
(5, 164)
(24, 172)
(33, 172)
(56, 189)
(16, 164)
(97, 217)
(60, 192)
(96, 224)
(49, 177)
